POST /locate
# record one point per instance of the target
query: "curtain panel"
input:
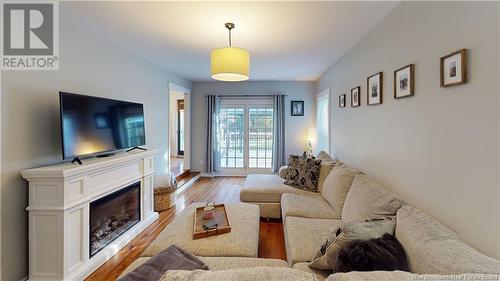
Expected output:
(212, 104)
(279, 157)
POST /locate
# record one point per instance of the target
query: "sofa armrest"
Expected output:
(282, 172)
(404, 276)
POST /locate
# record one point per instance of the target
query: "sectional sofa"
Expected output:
(347, 195)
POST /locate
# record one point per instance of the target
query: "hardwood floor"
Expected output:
(218, 189)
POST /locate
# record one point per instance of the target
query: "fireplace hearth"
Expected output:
(112, 215)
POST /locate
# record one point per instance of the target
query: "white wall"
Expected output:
(30, 122)
(296, 126)
(438, 150)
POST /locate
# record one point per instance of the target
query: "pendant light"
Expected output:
(230, 63)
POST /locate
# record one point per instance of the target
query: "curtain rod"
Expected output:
(229, 95)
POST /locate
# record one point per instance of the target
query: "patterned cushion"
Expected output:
(327, 255)
(303, 173)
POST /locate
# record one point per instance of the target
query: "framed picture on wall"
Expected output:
(453, 68)
(342, 100)
(297, 108)
(355, 97)
(374, 89)
(404, 82)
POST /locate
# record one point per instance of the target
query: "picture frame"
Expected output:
(342, 100)
(453, 68)
(375, 88)
(356, 96)
(404, 82)
(297, 108)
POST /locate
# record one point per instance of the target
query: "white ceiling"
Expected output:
(286, 40)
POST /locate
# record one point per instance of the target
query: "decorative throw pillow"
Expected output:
(303, 173)
(336, 186)
(327, 255)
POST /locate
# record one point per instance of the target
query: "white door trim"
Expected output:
(187, 123)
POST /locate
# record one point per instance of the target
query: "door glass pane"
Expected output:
(260, 137)
(231, 123)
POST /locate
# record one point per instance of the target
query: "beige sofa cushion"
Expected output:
(282, 172)
(369, 200)
(433, 248)
(326, 257)
(242, 274)
(242, 241)
(303, 236)
(222, 263)
(307, 206)
(324, 170)
(321, 275)
(266, 188)
(323, 155)
(337, 185)
(404, 276)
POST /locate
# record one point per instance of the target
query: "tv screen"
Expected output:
(92, 125)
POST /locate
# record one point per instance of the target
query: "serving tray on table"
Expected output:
(220, 217)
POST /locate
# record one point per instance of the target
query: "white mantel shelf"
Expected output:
(67, 169)
(59, 205)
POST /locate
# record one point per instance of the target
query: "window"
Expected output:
(322, 120)
(246, 134)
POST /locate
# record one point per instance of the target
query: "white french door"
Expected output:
(246, 136)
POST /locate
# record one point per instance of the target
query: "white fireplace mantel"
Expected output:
(59, 201)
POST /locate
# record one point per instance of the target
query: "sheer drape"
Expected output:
(212, 104)
(279, 157)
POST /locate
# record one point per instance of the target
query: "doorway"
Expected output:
(179, 131)
(180, 127)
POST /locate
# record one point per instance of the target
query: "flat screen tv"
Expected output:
(93, 126)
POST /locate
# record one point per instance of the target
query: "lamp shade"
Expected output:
(230, 64)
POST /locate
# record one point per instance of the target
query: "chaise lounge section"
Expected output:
(266, 190)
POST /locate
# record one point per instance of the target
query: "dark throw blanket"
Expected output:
(172, 258)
